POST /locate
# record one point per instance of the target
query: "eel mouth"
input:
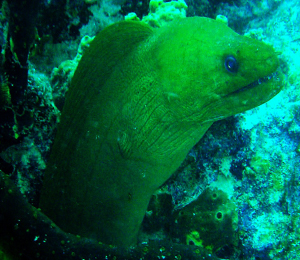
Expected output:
(256, 83)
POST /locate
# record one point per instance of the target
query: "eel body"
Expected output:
(140, 99)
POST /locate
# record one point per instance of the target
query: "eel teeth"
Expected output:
(257, 82)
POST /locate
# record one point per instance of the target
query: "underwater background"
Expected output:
(239, 184)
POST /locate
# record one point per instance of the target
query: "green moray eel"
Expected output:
(139, 100)
(27, 234)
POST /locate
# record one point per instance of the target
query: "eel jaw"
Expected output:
(256, 83)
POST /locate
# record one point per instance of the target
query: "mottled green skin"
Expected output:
(140, 99)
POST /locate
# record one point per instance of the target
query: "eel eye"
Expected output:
(231, 64)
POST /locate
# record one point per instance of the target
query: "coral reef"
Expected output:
(140, 8)
(202, 221)
(104, 12)
(162, 12)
